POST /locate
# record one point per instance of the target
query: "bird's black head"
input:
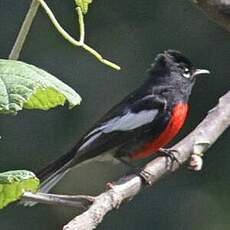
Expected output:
(174, 64)
(174, 69)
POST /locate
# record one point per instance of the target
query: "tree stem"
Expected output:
(16, 50)
(81, 25)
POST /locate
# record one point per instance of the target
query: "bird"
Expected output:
(145, 121)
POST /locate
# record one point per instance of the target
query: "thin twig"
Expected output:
(79, 201)
(81, 25)
(15, 52)
(72, 40)
(198, 141)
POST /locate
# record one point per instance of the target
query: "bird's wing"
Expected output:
(122, 123)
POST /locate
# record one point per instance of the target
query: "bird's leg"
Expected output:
(170, 153)
(126, 161)
(145, 176)
(195, 162)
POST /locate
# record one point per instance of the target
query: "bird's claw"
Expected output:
(170, 153)
(145, 176)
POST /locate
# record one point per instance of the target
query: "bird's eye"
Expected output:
(186, 73)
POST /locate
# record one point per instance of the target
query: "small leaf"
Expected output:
(14, 183)
(26, 86)
(83, 4)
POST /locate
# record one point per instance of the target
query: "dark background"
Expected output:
(130, 33)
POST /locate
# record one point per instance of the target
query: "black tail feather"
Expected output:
(55, 165)
(50, 175)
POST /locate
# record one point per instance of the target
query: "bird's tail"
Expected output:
(51, 174)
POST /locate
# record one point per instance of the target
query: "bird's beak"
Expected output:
(200, 71)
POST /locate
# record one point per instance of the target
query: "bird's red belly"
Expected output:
(178, 116)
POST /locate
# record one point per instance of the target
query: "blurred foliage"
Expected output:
(14, 183)
(84, 4)
(26, 86)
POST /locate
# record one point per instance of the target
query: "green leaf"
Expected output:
(83, 4)
(14, 183)
(26, 86)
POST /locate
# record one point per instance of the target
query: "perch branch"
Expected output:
(198, 141)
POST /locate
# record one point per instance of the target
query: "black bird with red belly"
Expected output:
(142, 123)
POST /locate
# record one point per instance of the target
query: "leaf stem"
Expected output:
(16, 50)
(81, 24)
(72, 40)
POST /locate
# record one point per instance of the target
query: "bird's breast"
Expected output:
(175, 123)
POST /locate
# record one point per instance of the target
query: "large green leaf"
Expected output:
(26, 86)
(83, 4)
(14, 183)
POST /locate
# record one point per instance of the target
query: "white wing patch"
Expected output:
(130, 121)
(126, 122)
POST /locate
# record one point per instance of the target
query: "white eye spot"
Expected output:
(186, 73)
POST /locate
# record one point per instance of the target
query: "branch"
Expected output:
(198, 141)
(218, 10)
(79, 201)
(20, 40)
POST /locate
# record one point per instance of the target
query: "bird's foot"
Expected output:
(196, 162)
(170, 154)
(145, 176)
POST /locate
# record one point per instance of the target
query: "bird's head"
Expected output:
(173, 64)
